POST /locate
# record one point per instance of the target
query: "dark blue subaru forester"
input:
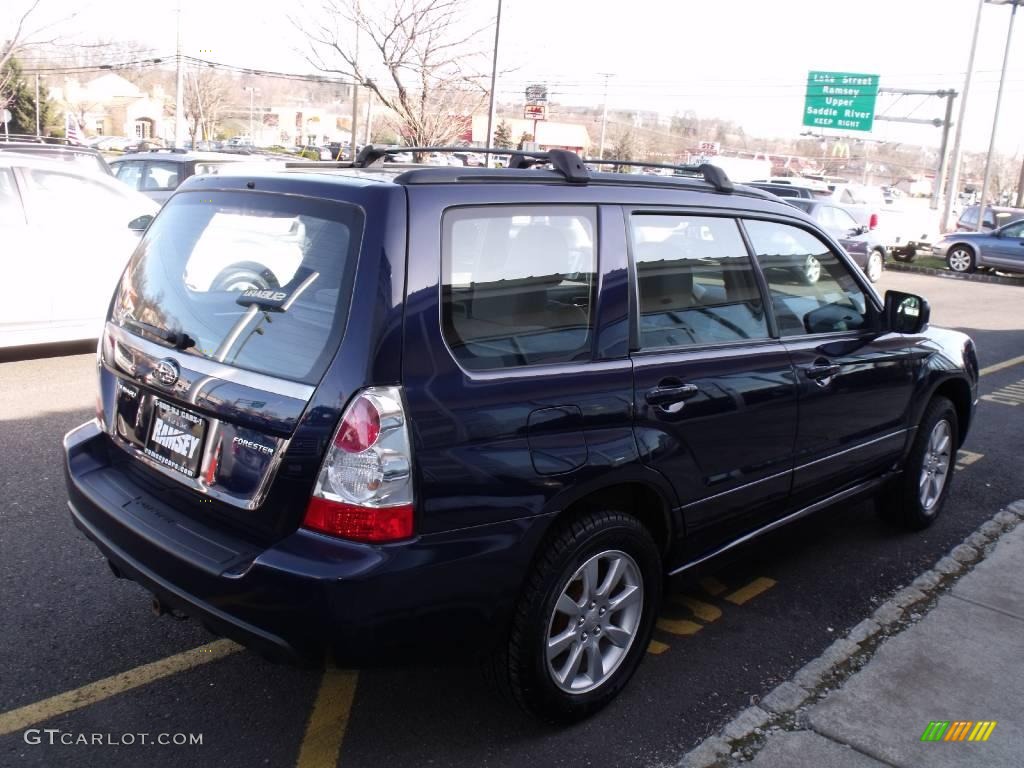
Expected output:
(379, 411)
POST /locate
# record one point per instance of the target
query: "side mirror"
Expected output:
(139, 224)
(905, 312)
(858, 231)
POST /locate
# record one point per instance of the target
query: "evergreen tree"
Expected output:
(20, 99)
(503, 135)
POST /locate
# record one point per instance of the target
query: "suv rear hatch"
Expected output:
(223, 325)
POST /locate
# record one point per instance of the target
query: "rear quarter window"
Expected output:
(519, 284)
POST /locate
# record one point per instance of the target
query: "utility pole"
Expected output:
(489, 141)
(37, 105)
(1020, 188)
(369, 113)
(940, 177)
(604, 114)
(355, 115)
(252, 103)
(954, 162)
(995, 121)
(179, 92)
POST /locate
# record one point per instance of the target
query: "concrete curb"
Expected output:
(974, 277)
(782, 709)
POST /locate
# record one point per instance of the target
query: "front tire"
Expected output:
(876, 263)
(810, 272)
(585, 618)
(916, 498)
(960, 259)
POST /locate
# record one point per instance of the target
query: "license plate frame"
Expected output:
(176, 438)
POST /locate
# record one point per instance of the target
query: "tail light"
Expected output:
(873, 221)
(364, 490)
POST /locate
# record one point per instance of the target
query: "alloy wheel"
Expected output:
(594, 622)
(960, 260)
(812, 270)
(874, 268)
(935, 467)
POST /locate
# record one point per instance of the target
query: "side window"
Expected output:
(843, 221)
(1014, 230)
(823, 215)
(695, 281)
(130, 172)
(56, 196)
(518, 284)
(160, 175)
(812, 291)
(11, 211)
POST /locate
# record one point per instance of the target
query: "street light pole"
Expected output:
(995, 121)
(604, 115)
(954, 162)
(494, 80)
(179, 92)
(252, 97)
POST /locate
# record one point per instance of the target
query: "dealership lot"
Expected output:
(727, 633)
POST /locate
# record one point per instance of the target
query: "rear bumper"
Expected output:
(307, 595)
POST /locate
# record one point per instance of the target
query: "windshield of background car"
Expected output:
(255, 280)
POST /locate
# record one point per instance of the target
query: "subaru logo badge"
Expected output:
(166, 372)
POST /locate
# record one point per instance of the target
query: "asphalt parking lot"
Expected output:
(81, 652)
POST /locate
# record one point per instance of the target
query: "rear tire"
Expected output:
(584, 620)
(915, 499)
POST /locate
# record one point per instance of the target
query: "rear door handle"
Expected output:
(820, 371)
(668, 395)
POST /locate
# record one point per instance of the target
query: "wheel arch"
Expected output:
(958, 392)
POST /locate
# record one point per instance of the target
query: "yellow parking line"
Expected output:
(703, 611)
(47, 709)
(752, 590)
(657, 647)
(321, 746)
(682, 627)
(1001, 366)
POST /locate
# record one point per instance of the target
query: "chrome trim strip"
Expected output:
(214, 369)
(720, 494)
(831, 456)
(197, 484)
(793, 516)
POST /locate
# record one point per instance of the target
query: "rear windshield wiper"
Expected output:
(173, 338)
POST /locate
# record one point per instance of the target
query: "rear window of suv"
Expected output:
(255, 280)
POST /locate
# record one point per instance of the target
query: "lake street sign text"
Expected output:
(840, 100)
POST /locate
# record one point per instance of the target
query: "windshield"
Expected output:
(259, 281)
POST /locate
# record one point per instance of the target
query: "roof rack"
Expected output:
(40, 139)
(567, 163)
(712, 174)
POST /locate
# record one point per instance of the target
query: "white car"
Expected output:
(67, 235)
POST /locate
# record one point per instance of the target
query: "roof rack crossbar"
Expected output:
(562, 160)
(712, 174)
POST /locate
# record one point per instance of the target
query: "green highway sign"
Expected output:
(840, 100)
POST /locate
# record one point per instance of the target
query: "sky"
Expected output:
(743, 60)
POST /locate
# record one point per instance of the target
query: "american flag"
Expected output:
(71, 128)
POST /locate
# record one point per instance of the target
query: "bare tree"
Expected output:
(23, 35)
(206, 94)
(425, 56)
